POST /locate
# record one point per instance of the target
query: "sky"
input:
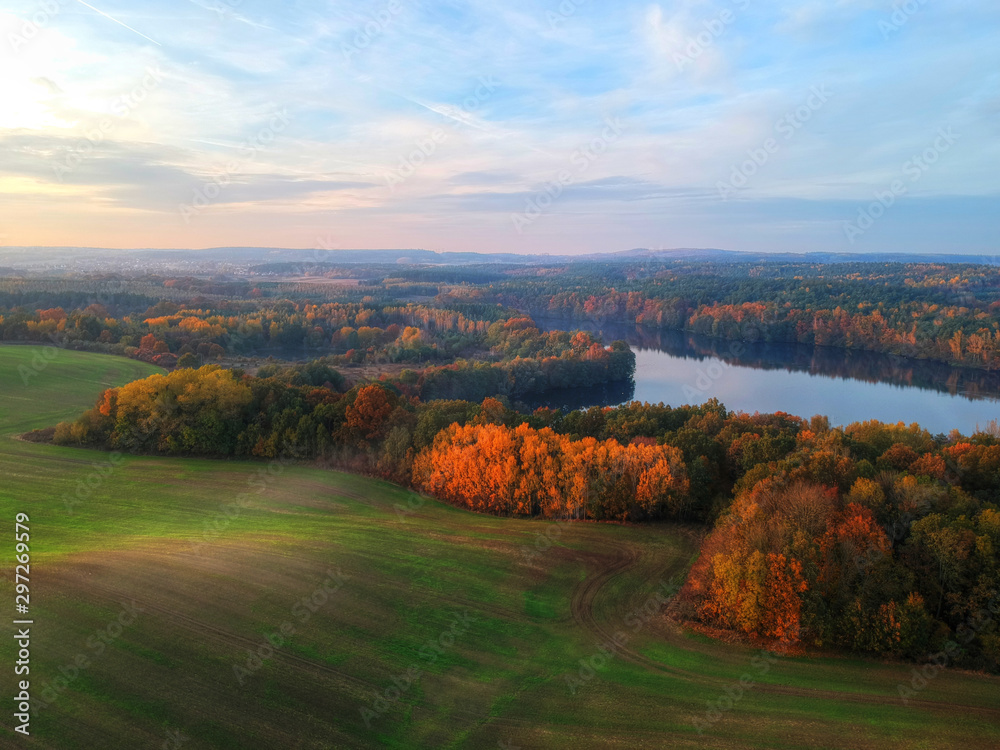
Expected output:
(533, 127)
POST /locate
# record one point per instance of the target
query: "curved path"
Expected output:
(625, 557)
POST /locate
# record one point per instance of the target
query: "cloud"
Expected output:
(148, 176)
(698, 85)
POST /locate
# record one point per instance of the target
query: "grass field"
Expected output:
(433, 621)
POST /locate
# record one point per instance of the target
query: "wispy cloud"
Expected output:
(120, 23)
(700, 85)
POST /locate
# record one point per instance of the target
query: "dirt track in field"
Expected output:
(623, 558)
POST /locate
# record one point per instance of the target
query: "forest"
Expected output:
(869, 538)
(873, 538)
(942, 312)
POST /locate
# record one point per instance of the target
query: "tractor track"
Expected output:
(624, 558)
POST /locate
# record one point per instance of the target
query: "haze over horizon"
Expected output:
(562, 128)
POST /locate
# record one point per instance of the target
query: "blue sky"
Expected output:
(580, 126)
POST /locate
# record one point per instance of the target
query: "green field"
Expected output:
(507, 628)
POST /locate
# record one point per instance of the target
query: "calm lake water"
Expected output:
(847, 386)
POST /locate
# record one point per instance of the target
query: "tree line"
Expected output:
(873, 538)
(947, 313)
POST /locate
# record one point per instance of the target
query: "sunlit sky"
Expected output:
(512, 126)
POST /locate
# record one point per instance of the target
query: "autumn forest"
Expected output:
(868, 538)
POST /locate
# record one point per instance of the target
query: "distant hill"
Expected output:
(734, 256)
(159, 260)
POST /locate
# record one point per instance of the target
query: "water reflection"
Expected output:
(846, 385)
(850, 364)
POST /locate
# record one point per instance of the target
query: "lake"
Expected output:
(845, 385)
